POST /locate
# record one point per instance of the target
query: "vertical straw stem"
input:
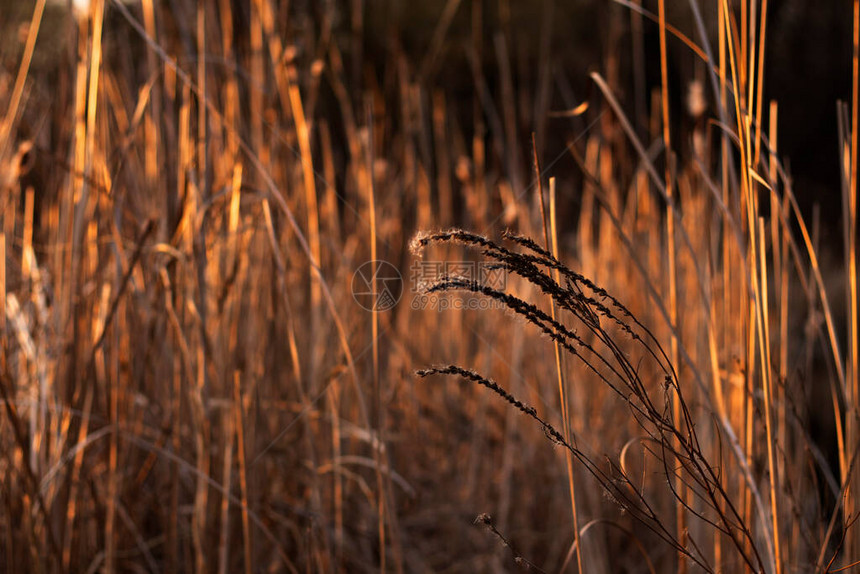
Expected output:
(308, 178)
(762, 320)
(153, 115)
(562, 386)
(80, 211)
(780, 236)
(562, 394)
(760, 80)
(680, 486)
(227, 481)
(854, 344)
(201, 105)
(376, 413)
(748, 203)
(239, 425)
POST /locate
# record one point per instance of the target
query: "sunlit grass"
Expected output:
(188, 383)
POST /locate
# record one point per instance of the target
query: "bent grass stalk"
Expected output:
(676, 437)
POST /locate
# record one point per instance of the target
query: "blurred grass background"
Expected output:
(188, 187)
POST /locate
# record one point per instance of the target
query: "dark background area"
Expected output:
(807, 69)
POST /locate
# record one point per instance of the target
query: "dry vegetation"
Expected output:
(188, 384)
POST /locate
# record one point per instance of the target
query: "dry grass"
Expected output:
(188, 384)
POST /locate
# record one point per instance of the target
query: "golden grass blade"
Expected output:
(11, 115)
(853, 414)
(239, 425)
(377, 415)
(550, 230)
(175, 270)
(680, 515)
(763, 322)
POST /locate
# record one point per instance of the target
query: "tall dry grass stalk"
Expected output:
(188, 383)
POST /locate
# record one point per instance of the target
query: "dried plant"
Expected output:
(674, 442)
